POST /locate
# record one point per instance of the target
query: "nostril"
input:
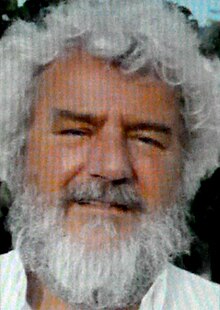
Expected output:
(114, 181)
(120, 181)
(98, 176)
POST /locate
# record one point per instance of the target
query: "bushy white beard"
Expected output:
(113, 277)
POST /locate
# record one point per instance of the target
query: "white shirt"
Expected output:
(174, 289)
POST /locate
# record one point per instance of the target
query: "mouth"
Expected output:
(104, 206)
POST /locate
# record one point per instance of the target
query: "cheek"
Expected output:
(72, 160)
(50, 164)
(157, 178)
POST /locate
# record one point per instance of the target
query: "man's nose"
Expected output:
(109, 158)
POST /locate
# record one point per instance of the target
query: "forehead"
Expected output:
(85, 83)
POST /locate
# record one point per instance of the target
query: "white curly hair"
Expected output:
(142, 34)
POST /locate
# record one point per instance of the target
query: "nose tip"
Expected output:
(114, 173)
(109, 160)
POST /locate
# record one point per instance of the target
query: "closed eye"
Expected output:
(73, 132)
(152, 142)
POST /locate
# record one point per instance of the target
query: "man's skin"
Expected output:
(93, 122)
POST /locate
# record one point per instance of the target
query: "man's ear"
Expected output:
(5, 202)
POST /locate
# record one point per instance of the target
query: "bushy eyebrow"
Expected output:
(154, 126)
(75, 116)
(94, 120)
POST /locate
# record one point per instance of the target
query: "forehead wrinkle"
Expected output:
(47, 77)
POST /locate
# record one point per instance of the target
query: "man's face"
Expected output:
(99, 217)
(92, 124)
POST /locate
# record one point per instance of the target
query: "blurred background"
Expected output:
(204, 16)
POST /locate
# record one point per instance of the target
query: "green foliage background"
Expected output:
(9, 11)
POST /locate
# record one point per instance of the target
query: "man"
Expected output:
(109, 119)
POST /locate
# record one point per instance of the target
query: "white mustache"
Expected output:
(123, 196)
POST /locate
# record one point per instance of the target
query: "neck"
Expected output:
(40, 298)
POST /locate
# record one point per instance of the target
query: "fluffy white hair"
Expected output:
(152, 33)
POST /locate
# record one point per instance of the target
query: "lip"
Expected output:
(105, 205)
(98, 207)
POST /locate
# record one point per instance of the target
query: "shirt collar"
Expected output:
(155, 297)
